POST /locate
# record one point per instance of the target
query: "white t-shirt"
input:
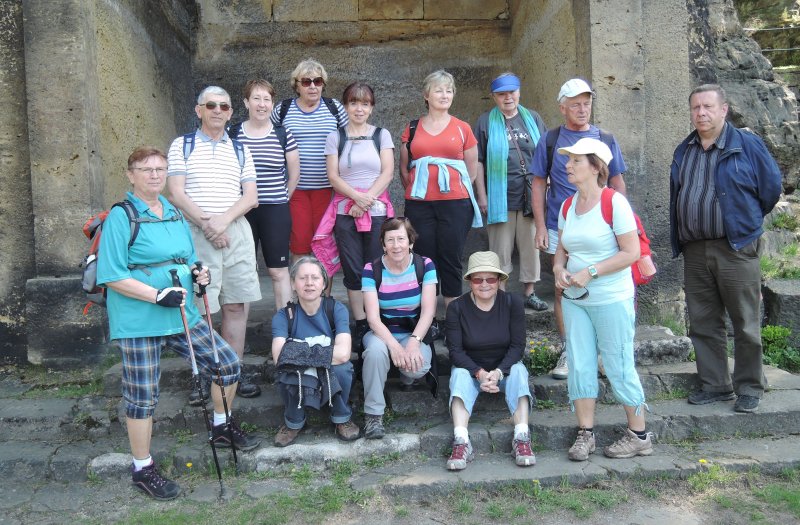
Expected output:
(588, 239)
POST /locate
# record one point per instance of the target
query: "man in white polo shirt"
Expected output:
(214, 185)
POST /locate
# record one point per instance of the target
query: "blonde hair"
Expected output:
(308, 68)
(436, 78)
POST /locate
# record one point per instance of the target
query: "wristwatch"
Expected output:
(418, 338)
(592, 271)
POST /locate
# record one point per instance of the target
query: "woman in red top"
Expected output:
(438, 163)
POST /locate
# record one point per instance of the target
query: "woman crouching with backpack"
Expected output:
(311, 351)
(400, 301)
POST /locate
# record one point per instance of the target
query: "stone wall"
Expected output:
(16, 218)
(123, 71)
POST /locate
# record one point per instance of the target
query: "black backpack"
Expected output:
(432, 377)
(552, 137)
(328, 304)
(280, 132)
(376, 140)
(286, 103)
(412, 129)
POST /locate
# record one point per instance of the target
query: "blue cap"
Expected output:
(505, 83)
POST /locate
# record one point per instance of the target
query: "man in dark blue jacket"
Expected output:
(723, 182)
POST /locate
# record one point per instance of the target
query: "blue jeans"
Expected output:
(467, 388)
(606, 330)
(341, 412)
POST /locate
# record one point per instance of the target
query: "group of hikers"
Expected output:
(308, 180)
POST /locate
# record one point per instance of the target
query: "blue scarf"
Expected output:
(497, 162)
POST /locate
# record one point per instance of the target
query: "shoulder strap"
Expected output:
(285, 103)
(290, 313)
(280, 132)
(133, 215)
(234, 129)
(329, 304)
(566, 205)
(550, 142)
(607, 206)
(419, 268)
(238, 147)
(376, 139)
(412, 129)
(377, 273)
(333, 109)
(188, 145)
(342, 140)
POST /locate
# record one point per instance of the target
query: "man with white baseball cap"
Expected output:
(550, 177)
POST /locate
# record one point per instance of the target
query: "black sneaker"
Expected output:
(149, 481)
(194, 395)
(745, 403)
(241, 439)
(244, 389)
(701, 397)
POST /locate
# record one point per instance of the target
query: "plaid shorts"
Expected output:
(141, 371)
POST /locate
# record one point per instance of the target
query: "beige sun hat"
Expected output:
(484, 262)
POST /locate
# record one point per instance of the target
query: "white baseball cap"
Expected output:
(572, 88)
(586, 146)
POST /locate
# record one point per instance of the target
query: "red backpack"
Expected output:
(644, 269)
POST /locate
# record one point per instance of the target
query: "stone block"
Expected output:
(774, 241)
(69, 463)
(657, 344)
(21, 460)
(416, 402)
(782, 305)
(303, 11)
(395, 10)
(111, 466)
(58, 333)
(466, 9)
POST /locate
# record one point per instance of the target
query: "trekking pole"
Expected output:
(176, 282)
(228, 417)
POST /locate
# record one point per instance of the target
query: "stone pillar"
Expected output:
(16, 216)
(639, 68)
(66, 181)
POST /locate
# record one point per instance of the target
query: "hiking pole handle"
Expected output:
(198, 265)
(176, 281)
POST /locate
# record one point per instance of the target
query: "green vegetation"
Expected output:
(541, 356)
(784, 221)
(781, 267)
(777, 350)
(713, 475)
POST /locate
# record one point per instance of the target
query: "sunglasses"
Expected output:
(581, 297)
(224, 106)
(481, 280)
(306, 82)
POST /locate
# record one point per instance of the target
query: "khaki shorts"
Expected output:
(234, 278)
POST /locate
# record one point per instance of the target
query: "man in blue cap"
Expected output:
(550, 178)
(507, 137)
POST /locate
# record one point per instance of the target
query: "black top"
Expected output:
(488, 340)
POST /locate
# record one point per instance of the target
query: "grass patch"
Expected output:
(545, 404)
(784, 267)
(781, 496)
(714, 475)
(777, 350)
(540, 356)
(375, 461)
(784, 221)
(678, 393)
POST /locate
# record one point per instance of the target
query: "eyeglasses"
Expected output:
(150, 171)
(581, 297)
(306, 82)
(481, 280)
(224, 106)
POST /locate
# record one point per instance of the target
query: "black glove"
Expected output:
(170, 297)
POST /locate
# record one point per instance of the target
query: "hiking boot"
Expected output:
(535, 303)
(348, 431)
(286, 436)
(583, 446)
(630, 445)
(561, 370)
(241, 439)
(149, 481)
(194, 395)
(745, 403)
(373, 427)
(247, 389)
(521, 448)
(462, 454)
(701, 397)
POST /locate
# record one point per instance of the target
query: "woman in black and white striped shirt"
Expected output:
(277, 160)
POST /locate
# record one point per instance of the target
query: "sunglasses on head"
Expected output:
(306, 82)
(581, 297)
(481, 280)
(224, 106)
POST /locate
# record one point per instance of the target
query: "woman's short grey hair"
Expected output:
(308, 68)
(212, 90)
(309, 259)
(436, 78)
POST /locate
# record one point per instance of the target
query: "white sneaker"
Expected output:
(561, 369)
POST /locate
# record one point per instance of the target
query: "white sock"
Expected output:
(219, 419)
(520, 430)
(462, 433)
(139, 464)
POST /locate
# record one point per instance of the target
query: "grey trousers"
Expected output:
(718, 278)
(376, 367)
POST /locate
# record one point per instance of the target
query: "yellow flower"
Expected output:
(189, 465)
(703, 461)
